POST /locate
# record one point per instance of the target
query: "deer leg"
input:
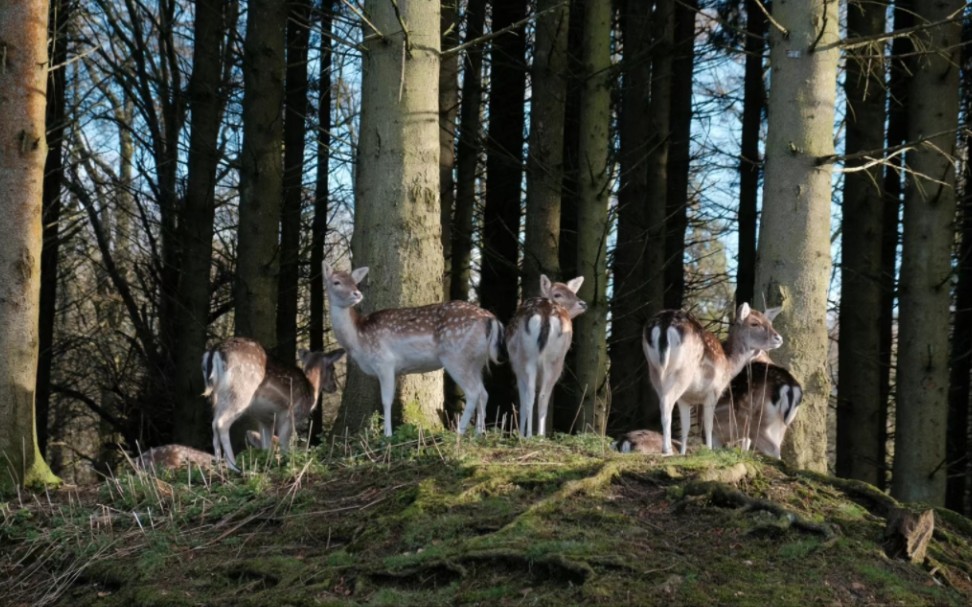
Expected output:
(547, 383)
(527, 384)
(386, 378)
(473, 390)
(708, 414)
(666, 406)
(285, 428)
(221, 425)
(685, 416)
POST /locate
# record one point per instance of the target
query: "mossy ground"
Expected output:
(428, 520)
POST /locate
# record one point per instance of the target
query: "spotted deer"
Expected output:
(173, 457)
(688, 365)
(456, 336)
(760, 404)
(537, 340)
(242, 379)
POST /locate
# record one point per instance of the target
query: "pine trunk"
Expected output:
(396, 227)
(793, 264)
(261, 174)
(590, 329)
(23, 151)
(448, 110)
(861, 416)
(926, 271)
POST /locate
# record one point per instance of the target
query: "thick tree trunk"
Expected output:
(321, 198)
(754, 101)
(261, 175)
(448, 110)
(467, 154)
(793, 263)
(396, 227)
(504, 162)
(295, 128)
(23, 151)
(929, 233)
(861, 415)
(590, 329)
(629, 382)
(59, 19)
(206, 96)
(545, 162)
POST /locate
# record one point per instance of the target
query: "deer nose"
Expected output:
(583, 305)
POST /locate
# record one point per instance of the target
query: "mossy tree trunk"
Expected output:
(793, 262)
(396, 228)
(23, 152)
(861, 415)
(590, 329)
(261, 172)
(926, 270)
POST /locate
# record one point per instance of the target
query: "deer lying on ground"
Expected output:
(760, 404)
(173, 457)
(641, 441)
(688, 365)
(537, 340)
(458, 336)
(241, 379)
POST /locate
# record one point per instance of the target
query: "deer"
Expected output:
(172, 457)
(760, 404)
(641, 441)
(537, 340)
(457, 336)
(688, 365)
(241, 379)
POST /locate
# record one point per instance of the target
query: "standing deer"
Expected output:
(241, 379)
(538, 338)
(760, 404)
(458, 336)
(689, 366)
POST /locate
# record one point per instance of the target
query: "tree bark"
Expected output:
(396, 227)
(504, 169)
(214, 22)
(545, 161)
(590, 329)
(295, 128)
(793, 264)
(59, 18)
(258, 254)
(467, 154)
(629, 382)
(926, 272)
(750, 163)
(23, 151)
(448, 110)
(861, 416)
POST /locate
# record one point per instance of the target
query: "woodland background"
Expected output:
(203, 158)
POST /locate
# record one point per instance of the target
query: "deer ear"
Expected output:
(334, 356)
(327, 269)
(575, 283)
(544, 285)
(359, 274)
(743, 312)
(302, 355)
(773, 313)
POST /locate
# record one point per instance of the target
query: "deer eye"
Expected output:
(557, 295)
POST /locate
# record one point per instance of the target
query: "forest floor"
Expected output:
(428, 520)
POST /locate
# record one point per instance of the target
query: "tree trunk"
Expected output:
(321, 198)
(295, 127)
(214, 21)
(659, 113)
(545, 162)
(448, 110)
(59, 18)
(929, 233)
(396, 227)
(590, 329)
(23, 150)
(754, 101)
(504, 162)
(793, 263)
(257, 264)
(467, 154)
(629, 382)
(861, 416)
(683, 62)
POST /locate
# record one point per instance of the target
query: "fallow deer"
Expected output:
(688, 365)
(458, 336)
(538, 337)
(241, 379)
(760, 404)
(172, 457)
(641, 441)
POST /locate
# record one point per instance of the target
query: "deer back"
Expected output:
(760, 405)
(542, 327)
(679, 350)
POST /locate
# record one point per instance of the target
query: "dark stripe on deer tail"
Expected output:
(544, 332)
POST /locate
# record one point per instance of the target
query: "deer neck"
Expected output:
(737, 354)
(346, 323)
